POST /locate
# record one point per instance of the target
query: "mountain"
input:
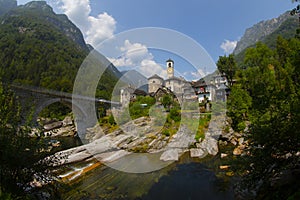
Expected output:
(41, 48)
(136, 79)
(6, 5)
(266, 31)
(58, 21)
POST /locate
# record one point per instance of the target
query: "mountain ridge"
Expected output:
(261, 30)
(6, 5)
(58, 21)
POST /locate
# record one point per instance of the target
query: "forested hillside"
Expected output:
(41, 48)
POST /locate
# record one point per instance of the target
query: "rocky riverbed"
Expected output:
(55, 128)
(141, 136)
(139, 146)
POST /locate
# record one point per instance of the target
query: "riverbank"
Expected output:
(110, 154)
(140, 136)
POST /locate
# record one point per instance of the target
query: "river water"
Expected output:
(190, 180)
(186, 179)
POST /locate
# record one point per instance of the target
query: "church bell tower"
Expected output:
(170, 68)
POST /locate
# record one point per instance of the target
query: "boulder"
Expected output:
(233, 141)
(55, 143)
(182, 139)
(241, 140)
(67, 121)
(237, 135)
(212, 146)
(111, 156)
(67, 131)
(197, 153)
(94, 133)
(170, 155)
(223, 155)
(224, 167)
(237, 151)
(35, 132)
(53, 125)
(198, 145)
(136, 142)
(80, 156)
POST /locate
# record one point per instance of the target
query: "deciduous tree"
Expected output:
(227, 67)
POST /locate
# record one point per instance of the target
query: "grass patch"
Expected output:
(202, 126)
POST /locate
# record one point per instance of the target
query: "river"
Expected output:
(188, 178)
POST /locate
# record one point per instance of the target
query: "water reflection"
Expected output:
(186, 179)
(189, 181)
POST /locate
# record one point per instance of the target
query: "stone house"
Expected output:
(129, 94)
(181, 88)
(213, 88)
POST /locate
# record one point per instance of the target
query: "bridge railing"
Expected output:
(60, 94)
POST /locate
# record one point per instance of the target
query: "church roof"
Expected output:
(175, 78)
(140, 92)
(155, 76)
(201, 83)
(163, 90)
(169, 60)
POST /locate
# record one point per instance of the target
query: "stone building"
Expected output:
(204, 91)
(154, 83)
(212, 88)
(178, 85)
(129, 94)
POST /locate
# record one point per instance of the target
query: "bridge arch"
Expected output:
(76, 108)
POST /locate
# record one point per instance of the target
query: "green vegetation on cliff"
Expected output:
(267, 94)
(286, 28)
(41, 48)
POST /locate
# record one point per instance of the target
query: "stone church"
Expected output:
(177, 85)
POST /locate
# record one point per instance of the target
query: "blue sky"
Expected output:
(216, 25)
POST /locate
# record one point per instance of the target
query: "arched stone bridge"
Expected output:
(35, 99)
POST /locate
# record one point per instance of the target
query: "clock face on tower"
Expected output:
(170, 68)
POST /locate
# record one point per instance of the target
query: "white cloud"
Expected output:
(95, 29)
(137, 56)
(228, 46)
(150, 67)
(101, 28)
(194, 75)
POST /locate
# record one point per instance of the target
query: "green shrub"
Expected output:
(111, 120)
(241, 126)
(136, 109)
(175, 114)
(165, 132)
